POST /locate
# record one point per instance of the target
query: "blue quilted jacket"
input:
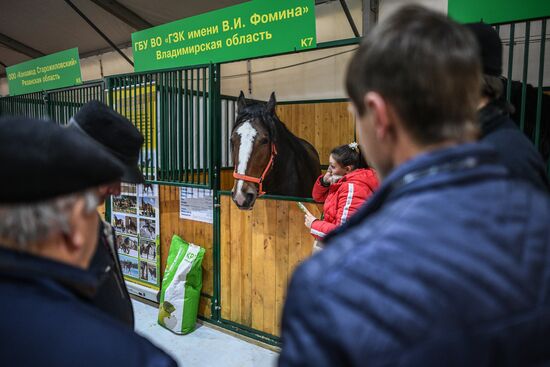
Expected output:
(448, 264)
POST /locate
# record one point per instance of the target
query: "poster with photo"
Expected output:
(125, 204)
(135, 219)
(148, 228)
(148, 190)
(125, 224)
(127, 245)
(129, 265)
(128, 189)
(148, 250)
(148, 272)
(148, 206)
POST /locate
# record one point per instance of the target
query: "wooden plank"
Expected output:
(258, 239)
(225, 247)
(246, 265)
(235, 246)
(281, 260)
(295, 234)
(269, 268)
(205, 307)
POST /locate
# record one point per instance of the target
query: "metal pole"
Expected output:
(524, 80)
(95, 28)
(370, 15)
(541, 78)
(510, 62)
(350, 19)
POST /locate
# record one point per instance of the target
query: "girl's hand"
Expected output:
(326, 178)
(309, 219)
(335, 178)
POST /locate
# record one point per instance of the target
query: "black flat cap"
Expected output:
(41, 161)
(490, 47)
(115, 132)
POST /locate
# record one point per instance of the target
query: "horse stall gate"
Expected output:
(172, 110)
(526, 62)
(260, 248)
(58, 105)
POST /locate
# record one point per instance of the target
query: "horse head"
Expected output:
(253, 149)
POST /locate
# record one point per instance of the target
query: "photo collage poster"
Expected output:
(135, 220)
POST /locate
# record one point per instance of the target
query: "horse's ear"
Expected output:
(241, 103)
(270, 106)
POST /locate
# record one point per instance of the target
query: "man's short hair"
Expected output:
(424, 65)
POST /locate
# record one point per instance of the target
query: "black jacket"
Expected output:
(46, 319)
(112, 295)
(515, 150)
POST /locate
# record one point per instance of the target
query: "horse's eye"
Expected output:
(264, 141)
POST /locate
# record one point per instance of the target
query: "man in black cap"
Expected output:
(497, 128)
(48, 235)
(121, 138)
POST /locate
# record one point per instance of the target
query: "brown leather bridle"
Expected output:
(259, 180)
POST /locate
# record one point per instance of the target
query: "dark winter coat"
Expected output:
(47, 319)
(447, 264)
(112, 295)
(515, 150)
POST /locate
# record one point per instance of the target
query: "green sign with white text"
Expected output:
(58, 70)
(255, 28)
(497, 11)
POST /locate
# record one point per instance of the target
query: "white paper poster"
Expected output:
(196, 204)
(135, 219)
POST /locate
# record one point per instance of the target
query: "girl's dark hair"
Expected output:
(346, 156)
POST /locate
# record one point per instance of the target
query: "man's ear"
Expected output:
(75, 237)
(380, 113)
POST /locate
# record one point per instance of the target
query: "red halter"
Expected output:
(260, 180)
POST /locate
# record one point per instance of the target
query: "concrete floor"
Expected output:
(204, 347)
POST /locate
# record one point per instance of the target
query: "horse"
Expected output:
(268, 158)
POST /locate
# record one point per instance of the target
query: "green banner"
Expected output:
(498, 11)
(58, 70)
(255, 28)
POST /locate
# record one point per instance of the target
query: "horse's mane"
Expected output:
(277, 130)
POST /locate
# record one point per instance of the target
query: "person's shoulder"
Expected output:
(78, 331)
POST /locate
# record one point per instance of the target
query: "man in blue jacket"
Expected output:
(48, 235)
(448, 263)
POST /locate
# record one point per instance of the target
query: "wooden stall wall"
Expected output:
(259, 251)
(324, 124)
(191, 231)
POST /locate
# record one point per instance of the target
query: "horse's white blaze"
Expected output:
(247, 134)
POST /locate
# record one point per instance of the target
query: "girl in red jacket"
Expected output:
(346, 185)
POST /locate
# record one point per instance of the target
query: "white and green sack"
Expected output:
(181, 287)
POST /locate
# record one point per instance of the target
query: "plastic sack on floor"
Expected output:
(181, 287)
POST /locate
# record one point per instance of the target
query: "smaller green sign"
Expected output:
(58, 70)
(497, 11)
(251, 29)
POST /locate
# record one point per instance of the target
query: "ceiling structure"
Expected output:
(30, 28)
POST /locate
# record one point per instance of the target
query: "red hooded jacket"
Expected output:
(342, 199)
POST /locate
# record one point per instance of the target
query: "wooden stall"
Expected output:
(324, 124)
(260, 249)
